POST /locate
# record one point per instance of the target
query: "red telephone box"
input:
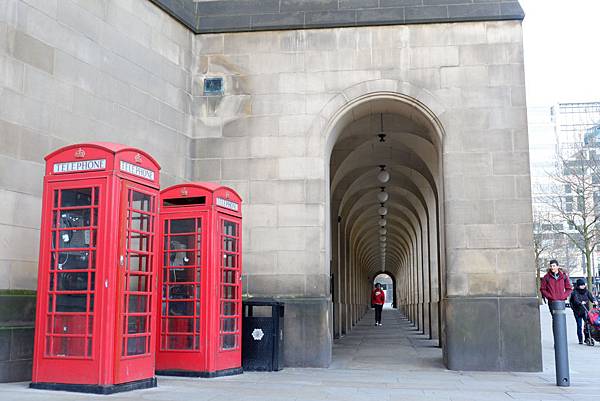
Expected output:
(96, 276)
(199, 327)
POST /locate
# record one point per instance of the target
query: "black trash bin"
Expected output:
(262, 335)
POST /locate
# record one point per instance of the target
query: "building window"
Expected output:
(213, 86)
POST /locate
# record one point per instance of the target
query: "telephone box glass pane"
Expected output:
(228, 309)
(229, 228)
(68, 324)
(140, 221)
(138, 283)
(136, 345)
(66, 346)
(71, 303)
(228, 341)
(181, 342)
(229, 260)
(228, 325)
(76, 197)
(138, 263)
(136, 324)
(181, 308)
(141, 201)
(181, 277)
(137, 303)
(72, 261)
(183, 226)
(72, 281)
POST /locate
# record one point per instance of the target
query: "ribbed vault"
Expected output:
(395, 136)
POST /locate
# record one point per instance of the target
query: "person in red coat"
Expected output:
(555, 285)
(377, 300)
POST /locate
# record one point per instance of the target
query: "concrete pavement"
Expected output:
(391, 362)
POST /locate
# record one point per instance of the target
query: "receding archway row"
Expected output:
(395, 134)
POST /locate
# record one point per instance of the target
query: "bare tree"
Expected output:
(574, 204)
(541, 245)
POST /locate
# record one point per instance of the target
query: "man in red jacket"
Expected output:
(378, 299)
(555, 285)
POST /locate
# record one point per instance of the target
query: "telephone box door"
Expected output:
(136, 306)
(230, 299)
(182, 345)
(71, 249)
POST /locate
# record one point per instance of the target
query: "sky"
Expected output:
(561, 40)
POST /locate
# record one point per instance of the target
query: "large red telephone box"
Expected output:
(199, 327)
(96, 277)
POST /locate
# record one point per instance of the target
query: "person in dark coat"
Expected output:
(555, 285)
(578, 300)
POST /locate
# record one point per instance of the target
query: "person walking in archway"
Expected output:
(555, 285)
(378, 299)
(578, 300)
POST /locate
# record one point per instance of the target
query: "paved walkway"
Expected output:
(386, 363)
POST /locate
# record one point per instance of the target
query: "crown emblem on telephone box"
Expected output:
(184, 192)
(79, 153)
(138, 158)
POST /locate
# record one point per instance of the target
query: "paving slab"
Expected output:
(379, 363)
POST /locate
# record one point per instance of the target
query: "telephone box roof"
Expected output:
(209, 186)
(107, 146)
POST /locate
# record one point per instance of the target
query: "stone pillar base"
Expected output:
(17, 316)
(493, 334)
(307, 332)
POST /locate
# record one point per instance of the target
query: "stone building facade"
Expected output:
(309, 87)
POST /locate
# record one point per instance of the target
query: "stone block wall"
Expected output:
(78, 71)
(268, 139)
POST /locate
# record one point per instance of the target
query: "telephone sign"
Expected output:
(85, 165)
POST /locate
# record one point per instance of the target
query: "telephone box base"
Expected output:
(95, 388)
(191, 373)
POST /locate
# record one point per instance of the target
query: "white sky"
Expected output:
(562, 51)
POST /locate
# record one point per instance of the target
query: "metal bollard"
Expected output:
(561, 349)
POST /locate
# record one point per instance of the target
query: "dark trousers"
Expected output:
(581, 327)
(378, 309)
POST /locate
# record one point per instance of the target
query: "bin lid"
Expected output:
(262, 302)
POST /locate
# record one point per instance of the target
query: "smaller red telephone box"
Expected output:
(96, 275)
(199, 327)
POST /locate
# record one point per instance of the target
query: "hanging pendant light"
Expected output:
(383, 175)
(382, 196)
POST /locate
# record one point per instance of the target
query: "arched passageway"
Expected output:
(385, 190)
